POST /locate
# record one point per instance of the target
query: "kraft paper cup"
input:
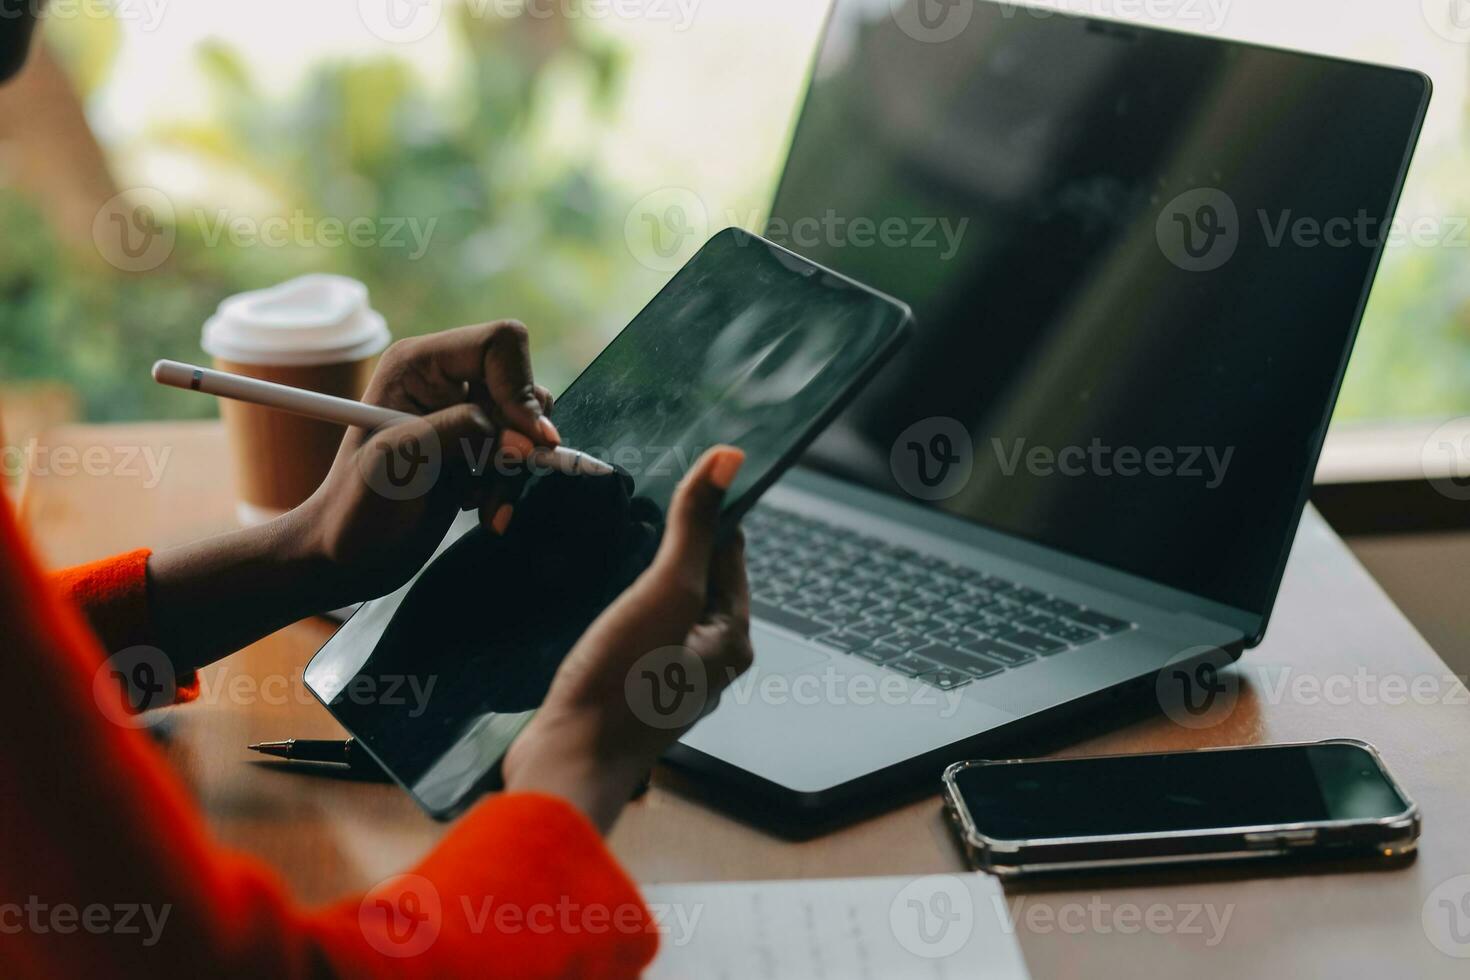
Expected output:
(317, 332)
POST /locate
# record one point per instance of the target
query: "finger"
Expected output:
(465, 432)
(732, 657)
(694, 516)
(729, 590)
(467, 440)
(543, 395)
(497, 355)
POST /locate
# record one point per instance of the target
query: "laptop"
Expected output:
(1137, 260)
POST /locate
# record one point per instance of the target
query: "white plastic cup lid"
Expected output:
(313, 319)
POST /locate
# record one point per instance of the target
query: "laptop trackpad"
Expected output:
(778, 654)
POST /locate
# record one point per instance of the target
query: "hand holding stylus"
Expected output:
(464, 403)
(343, 411)
(393, 491)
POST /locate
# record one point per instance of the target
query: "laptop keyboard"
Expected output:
(932, 620)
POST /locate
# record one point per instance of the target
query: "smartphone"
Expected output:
(1328, 798)
(748, 344)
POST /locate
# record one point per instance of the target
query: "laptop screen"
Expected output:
(1137, 260)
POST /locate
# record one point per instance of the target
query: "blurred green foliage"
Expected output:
(1412, 358)
(516, 231)
(522, 225)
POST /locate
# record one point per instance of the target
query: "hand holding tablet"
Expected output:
(749, 346)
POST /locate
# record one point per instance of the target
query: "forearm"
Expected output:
(212, 597)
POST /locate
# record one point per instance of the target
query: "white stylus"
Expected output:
(343, 411)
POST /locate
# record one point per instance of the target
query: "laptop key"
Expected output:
(1059, 607)
(949, 637)
(905, 638)
(880, 653)
(884, 615)
(972, 664)
(1074, 635)
(844, 640)
(946, 679)
(912, 621)
(786, 619)
(865, 631)
(1032, 642)
(1101, 622)
(926, 603)
(912, 665)
(999, 652)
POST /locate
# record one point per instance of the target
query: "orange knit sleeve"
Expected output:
(110, 871)
(112, 594)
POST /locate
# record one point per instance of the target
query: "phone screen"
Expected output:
(1178, 791)
(747, 345)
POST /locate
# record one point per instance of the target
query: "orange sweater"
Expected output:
(108, 869)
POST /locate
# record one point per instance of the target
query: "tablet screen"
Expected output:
(746, 345)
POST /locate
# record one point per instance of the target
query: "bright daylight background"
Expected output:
(529, 141)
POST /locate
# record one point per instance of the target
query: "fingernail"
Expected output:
(722, 471)
(515, 445)
(502, 517)
(549, 433)
(481, 419)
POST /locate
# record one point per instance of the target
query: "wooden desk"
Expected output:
(1332, 621)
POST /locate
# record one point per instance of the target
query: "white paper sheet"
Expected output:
(933, 927)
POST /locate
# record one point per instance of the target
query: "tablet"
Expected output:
(748, 345)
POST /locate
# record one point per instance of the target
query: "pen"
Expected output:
(319, 751)
(343, 411)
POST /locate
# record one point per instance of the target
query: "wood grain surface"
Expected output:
(1340, 660)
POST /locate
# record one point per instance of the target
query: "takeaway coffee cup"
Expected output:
(317, 332)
